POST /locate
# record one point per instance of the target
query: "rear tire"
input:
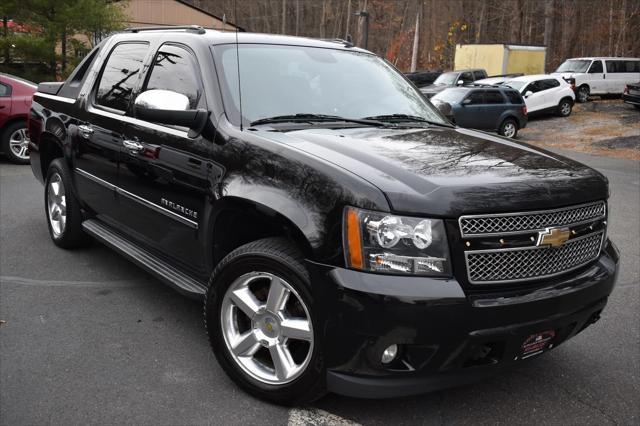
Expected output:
(582, 95)
(564, 108)
(62, 209)
(15, 143)
(508, 128)
(279, 363)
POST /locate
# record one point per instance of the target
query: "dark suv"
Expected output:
(342, 234)
(500, 109)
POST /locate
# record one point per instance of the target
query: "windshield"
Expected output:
(573, 65)
(287, 80)
(452, 95)
(518, 85)
(446, 79)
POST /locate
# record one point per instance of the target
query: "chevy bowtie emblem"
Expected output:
(554, 237)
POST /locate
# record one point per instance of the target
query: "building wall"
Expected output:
(168, 12)
(526, 61)
(487, 56)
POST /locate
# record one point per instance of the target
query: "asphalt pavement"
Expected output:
(89, 338)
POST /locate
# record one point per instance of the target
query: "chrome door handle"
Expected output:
(133, 146)
(85, 131)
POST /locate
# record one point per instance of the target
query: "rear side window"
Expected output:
(476, 98)
(120, 74)
(596, 67)
(493, 97)
(175, 69)
(5, 90)
(620, 66)
(514, 97)
(549, 84)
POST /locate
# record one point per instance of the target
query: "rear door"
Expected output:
(495, 104)
(164, 174)
(98, 136)
(5, 102)
(550, 88)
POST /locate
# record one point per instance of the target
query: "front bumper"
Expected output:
(447, 337)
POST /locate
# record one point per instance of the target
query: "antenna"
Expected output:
(235, 12)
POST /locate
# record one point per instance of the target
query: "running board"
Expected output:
(150, 263)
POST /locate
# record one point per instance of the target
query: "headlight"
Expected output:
(382, 242)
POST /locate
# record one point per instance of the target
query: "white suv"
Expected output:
(544, 93)
(599, 76)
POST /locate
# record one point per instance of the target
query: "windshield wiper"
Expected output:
(316, 118)
(395, 118)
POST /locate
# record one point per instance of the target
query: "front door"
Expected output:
(98, 135)
(596, 80)
(536, 99)
(470, 113)
(165, 175)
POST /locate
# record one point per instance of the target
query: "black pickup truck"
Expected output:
(342, 234)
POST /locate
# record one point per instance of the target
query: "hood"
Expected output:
(447, 172)
(566, 75)
(432, 89)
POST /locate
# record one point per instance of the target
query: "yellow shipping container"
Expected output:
(501, 58)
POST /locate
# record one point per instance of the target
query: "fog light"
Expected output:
(389, 354)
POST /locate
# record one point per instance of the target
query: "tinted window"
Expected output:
(120, 74)
(174, 69)
(5, 90)
(493, 97)
(534, 86)
(514, 97)
(466, 78)
(477, 75)
(596, 67)
(548, 84)
(623, 66)
(476, 98)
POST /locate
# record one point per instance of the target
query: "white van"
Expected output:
(599, 76)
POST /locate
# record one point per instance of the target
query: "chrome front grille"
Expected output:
(519, 223)
(525, 263)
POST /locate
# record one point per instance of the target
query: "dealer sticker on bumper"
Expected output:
(537, 343)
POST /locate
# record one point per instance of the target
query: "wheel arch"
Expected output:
(238, 221)
(14, 119)
(50, 147)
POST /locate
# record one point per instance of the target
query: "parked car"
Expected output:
(452, 79)
(631, 94)
(544, 94)
(339, 243)
(496, 79)
(500, 109)
(422, 78)
(599, 76)
(15, 102)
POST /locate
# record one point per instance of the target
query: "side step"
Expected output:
(150, 263)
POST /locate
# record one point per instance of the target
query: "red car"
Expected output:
(15, 103)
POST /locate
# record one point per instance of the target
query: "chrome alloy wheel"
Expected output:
(509, 130)
(19, 144)
(267, 328)
(56, 204)
(565, 108)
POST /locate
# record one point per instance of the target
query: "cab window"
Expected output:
(119, 75)
(596, 67)
(466, 78)
(175, 69)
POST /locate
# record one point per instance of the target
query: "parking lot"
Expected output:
(87, 337)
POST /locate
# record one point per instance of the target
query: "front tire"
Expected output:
(508, 128)
(583, 94)
(564, 108)
(15, 143)
(62, 209)
(259, 315)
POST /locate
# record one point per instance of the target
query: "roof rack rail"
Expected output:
(194, 28)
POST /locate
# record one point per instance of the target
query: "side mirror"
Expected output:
(465, 102)
(528, 93)
(444, 108)
(168, 107)
(460, 82)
